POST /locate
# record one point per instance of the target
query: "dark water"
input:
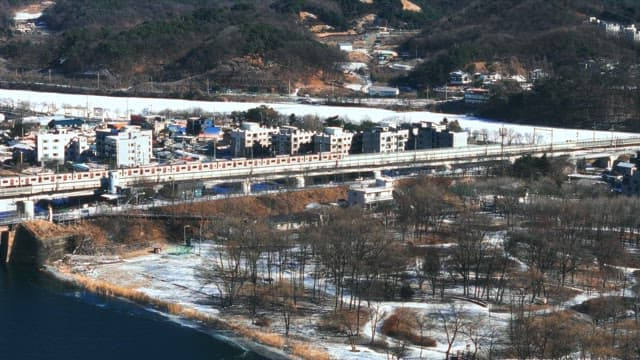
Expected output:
(41, 320)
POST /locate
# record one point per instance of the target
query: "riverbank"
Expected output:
(233, 329)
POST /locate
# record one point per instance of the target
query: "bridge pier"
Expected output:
(246, 187)
(300, 182)
(114, 182)
(26, 209)
(377, 174)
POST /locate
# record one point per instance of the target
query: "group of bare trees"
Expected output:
(491, 238)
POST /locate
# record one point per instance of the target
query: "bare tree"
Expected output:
(376, 314)
(452, 321)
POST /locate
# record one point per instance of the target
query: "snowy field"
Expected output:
(120, 107)
(172, 277)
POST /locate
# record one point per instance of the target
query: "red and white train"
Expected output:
(94, 179)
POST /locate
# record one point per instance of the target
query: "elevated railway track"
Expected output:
(299, 167)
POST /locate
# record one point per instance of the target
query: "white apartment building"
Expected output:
(60, 146)
(370, 195)
(291, 140)
(384, 139)
(129, 147)
(334, 140)
(248, 135)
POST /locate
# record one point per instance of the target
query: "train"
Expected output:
(95, 179)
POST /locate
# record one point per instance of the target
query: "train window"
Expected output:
(5, 181)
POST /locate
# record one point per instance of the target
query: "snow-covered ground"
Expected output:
(24, 16)
(172, 277)
(116, 107)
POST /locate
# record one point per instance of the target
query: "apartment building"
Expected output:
(334, 140)
(251, 139)
(60, 146)
(127, 146)
(428, 135)
(290, 140)
(384, 139)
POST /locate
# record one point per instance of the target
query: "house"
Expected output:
(625, 168)
(211, 133)
(476, 96)
(459, 78)
(23, 153)
(383, 91)
(196, 125)
(631, 33)
(488, 78)
(538, 74)
(610, 28)
(66, 123)
(156, 123)
(345, 46)
(368, 195)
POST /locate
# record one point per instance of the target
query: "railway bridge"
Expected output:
(299, 168)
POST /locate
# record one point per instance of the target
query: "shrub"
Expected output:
(308, 352)
(402, 325)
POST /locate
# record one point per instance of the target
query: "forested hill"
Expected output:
(592, 75)
(241, 43)
(262, 45)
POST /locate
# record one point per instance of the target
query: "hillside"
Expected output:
(245, 45)
(189, 48)
(591, 74)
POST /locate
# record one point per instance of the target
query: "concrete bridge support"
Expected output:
(114, 182)
(377, 174)
(26, 209)
(246, 187)
(300, 183)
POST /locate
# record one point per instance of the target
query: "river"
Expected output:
(40, 319)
